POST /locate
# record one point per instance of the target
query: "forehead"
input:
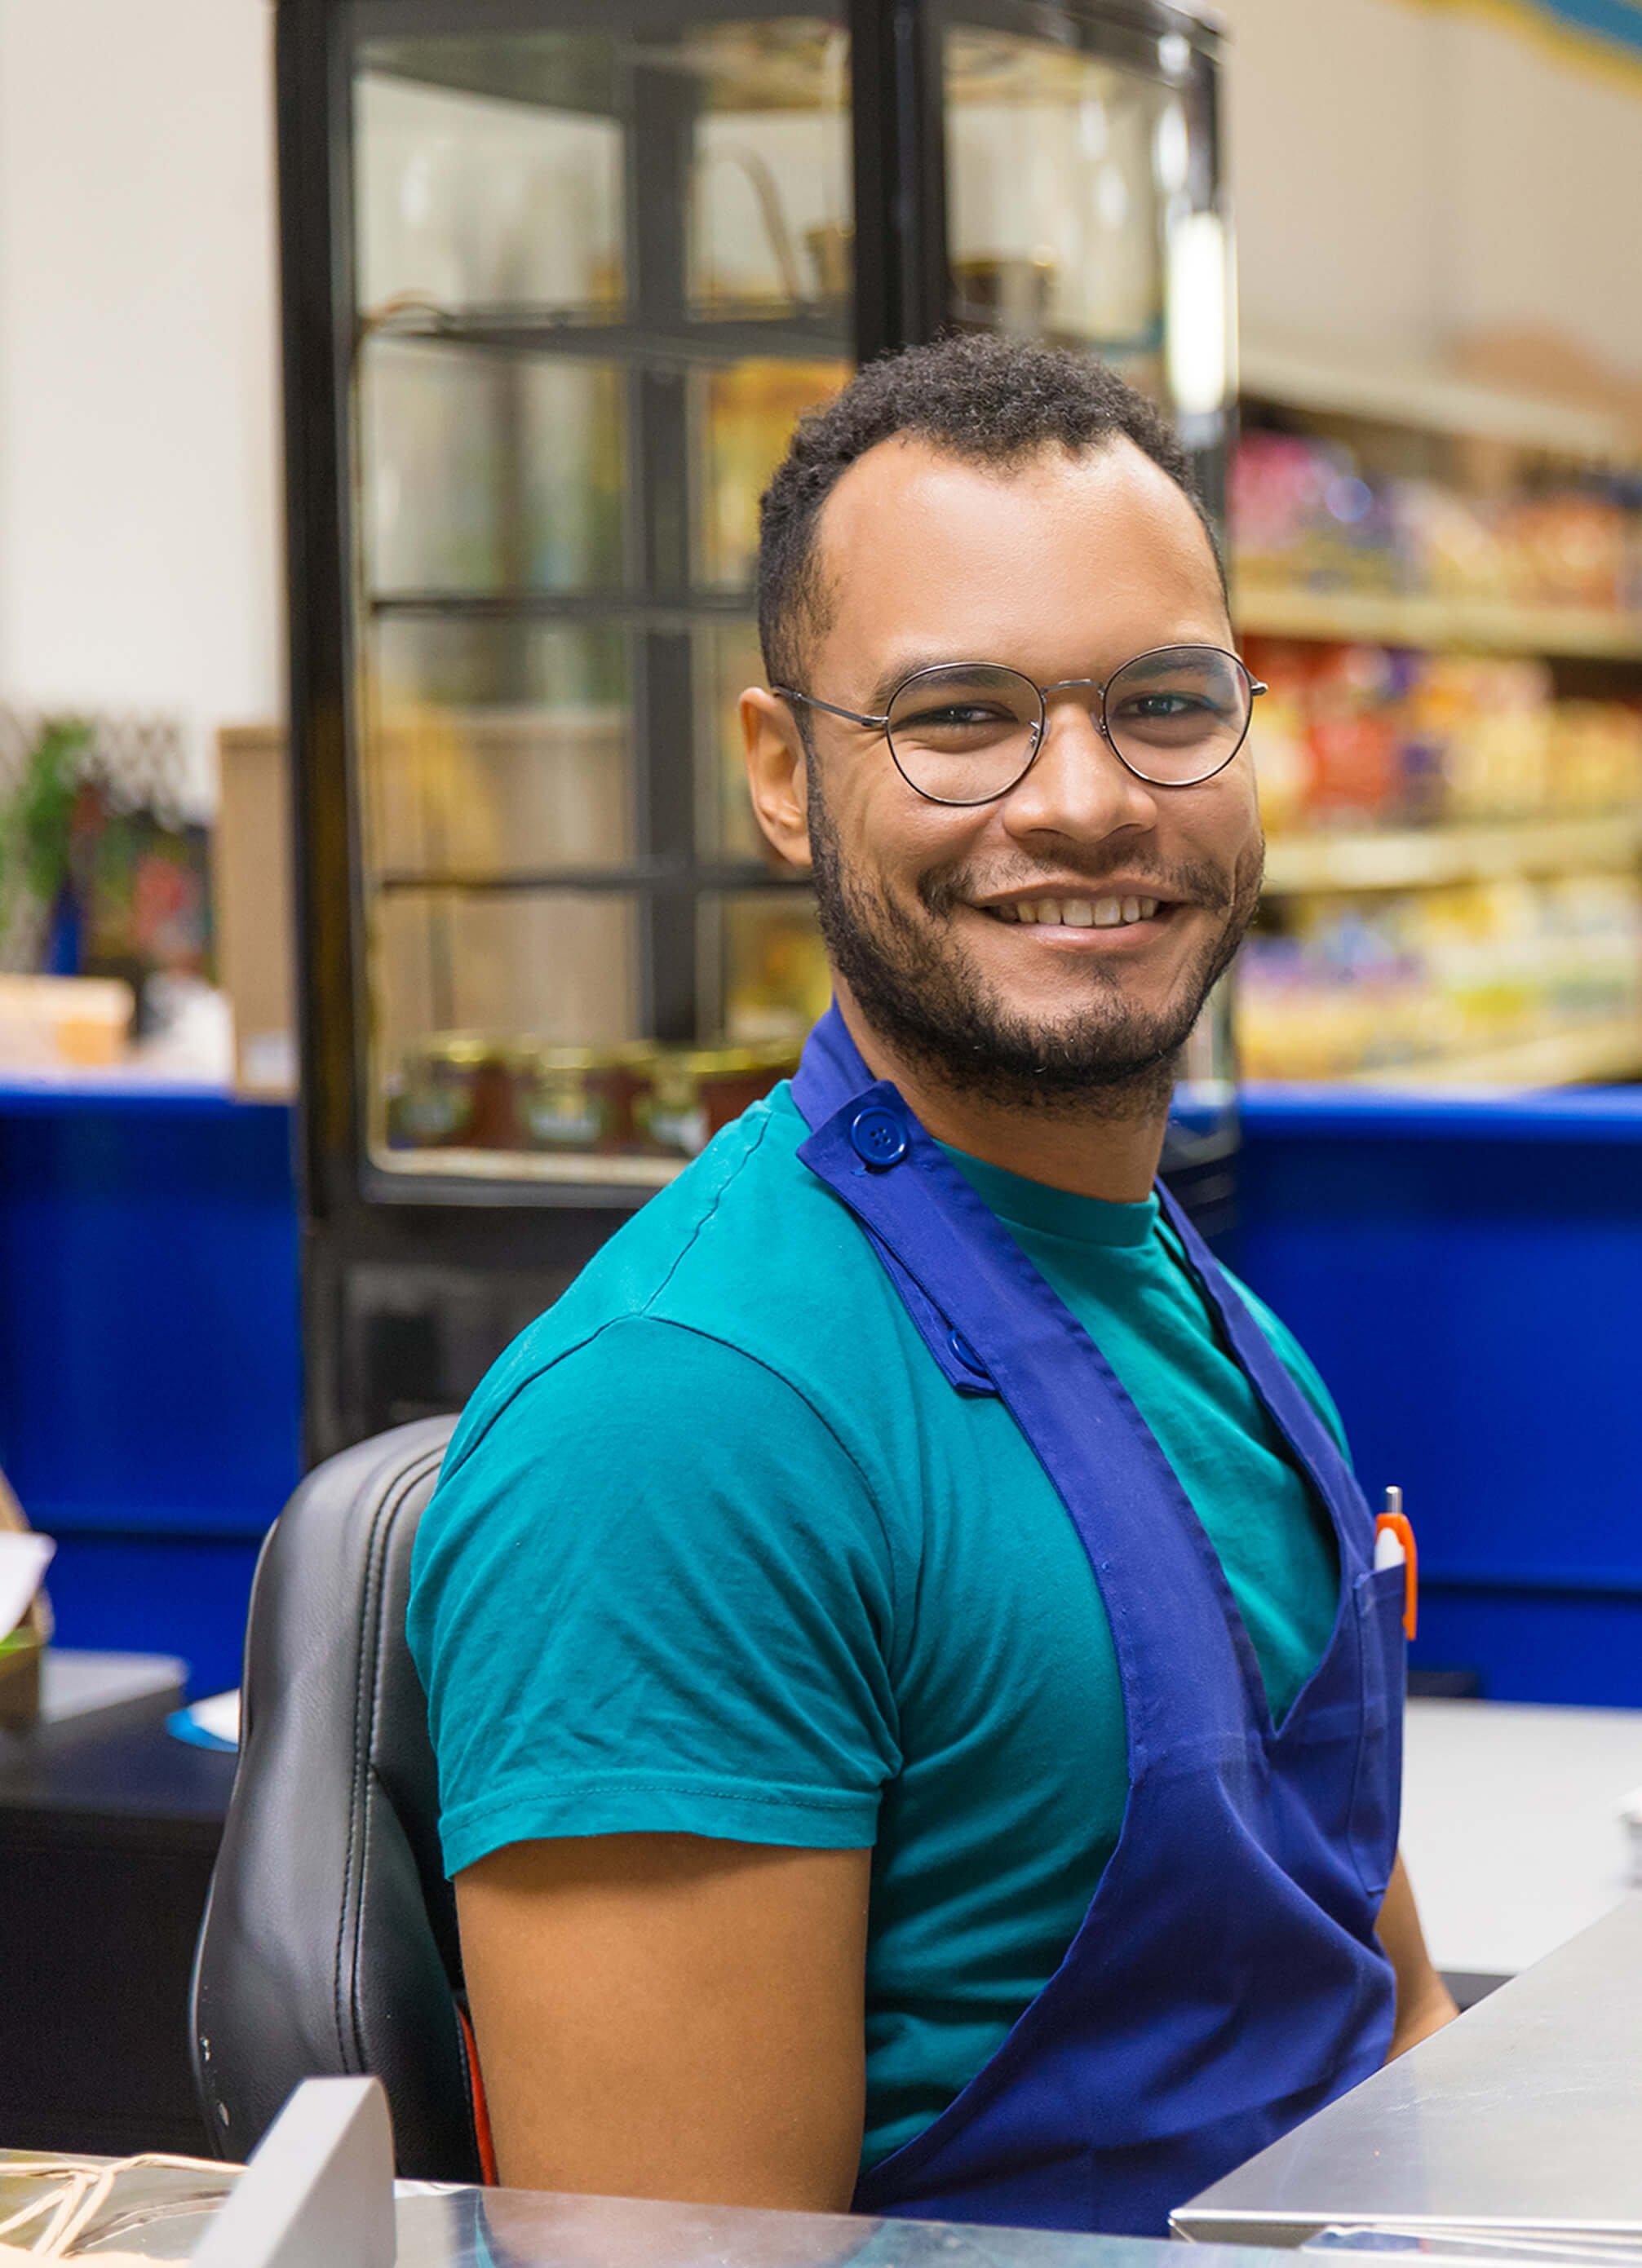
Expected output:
(1061, 564)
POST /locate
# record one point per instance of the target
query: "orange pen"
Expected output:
(1392, 1523)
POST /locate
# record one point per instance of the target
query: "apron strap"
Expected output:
(1309, 1439)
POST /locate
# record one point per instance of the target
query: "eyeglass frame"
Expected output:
(1040, 731)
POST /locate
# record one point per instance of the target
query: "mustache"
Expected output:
(1188, 883)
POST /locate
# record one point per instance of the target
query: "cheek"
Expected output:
(894, 832)
(1225, 824)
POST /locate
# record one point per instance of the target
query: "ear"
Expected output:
(777, 775)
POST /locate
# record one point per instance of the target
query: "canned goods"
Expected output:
(462, 1090)
(697, 1091)
(584, 1098)
(459, 1093)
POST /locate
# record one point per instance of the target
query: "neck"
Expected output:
(1104, 1150)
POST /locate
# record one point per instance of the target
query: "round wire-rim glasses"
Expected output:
(1174, 717)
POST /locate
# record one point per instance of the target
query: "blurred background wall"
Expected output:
(140, 542)
(1410, 174)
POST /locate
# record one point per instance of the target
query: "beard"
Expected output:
(917, 987)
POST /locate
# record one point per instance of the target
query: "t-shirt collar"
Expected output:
(1049, 1212)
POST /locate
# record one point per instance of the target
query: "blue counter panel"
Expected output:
(149, 1376)
(183, 1594)
(1467, 1276)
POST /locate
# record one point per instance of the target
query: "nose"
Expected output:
(1077, 787)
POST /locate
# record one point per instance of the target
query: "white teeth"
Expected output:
(1078, 913)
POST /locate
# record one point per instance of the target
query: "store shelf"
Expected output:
(1424, 857)
(1397, 393)
(523, 1167)
(1480, 625)
(1610, 1048)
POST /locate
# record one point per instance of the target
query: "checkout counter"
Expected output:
(1514, 2134)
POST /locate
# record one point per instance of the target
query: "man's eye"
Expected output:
(953, 718)
(1170, 719)
(1164, 705)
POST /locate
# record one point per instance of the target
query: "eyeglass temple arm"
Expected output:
(854, 716)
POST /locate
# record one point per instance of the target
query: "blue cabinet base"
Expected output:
(1467, 1276)
(149, 1369)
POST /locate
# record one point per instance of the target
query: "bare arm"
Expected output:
(667, 2016)
(1424, 2003)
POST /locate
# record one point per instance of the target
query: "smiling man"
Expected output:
(918, 1722)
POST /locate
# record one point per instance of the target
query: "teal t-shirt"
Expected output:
(717, 1550)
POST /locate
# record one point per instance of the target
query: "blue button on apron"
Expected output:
(878, 1136)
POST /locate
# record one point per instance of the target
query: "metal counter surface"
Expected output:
(159, 2213)
(1525, 2114)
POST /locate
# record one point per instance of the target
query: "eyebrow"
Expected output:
(877, 700)
(1160, 666)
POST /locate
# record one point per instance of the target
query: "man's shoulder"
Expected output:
(746, 1249)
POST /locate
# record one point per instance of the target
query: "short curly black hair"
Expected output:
(991, 399)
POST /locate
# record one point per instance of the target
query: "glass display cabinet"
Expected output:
(558, 278)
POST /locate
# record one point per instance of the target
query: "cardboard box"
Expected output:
(251, 869)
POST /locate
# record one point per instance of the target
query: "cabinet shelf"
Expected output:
(1424, 857)
(649, 877)
(1610, 1048)
(613, 609)
(784, 334)
(1480, 625)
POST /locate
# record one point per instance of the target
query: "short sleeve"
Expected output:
(653, 1593)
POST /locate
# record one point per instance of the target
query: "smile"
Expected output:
(1076, 913)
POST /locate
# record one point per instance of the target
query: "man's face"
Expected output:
(1064, 567)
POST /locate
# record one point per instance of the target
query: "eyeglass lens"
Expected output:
(967, 732)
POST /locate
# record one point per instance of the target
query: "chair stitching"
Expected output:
(344, 1991)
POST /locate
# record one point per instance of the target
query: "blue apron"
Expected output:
(1226, 1981)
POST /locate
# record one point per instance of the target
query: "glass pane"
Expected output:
(776, 979)
(747, 413)
(544, 964)
(498, 748)
(567, 404)
(1059, 168)
(469, 199)
(485, 471)
(771, 193)
(728, 661)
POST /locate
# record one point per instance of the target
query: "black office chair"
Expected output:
(329, 1945)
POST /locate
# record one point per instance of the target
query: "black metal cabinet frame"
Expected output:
(413, 1282)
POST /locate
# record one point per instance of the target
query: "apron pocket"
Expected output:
(1377, 1793)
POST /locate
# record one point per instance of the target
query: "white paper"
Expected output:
(24, 1559)
(219, 1715)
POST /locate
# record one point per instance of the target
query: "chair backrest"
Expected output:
(329, 1945)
